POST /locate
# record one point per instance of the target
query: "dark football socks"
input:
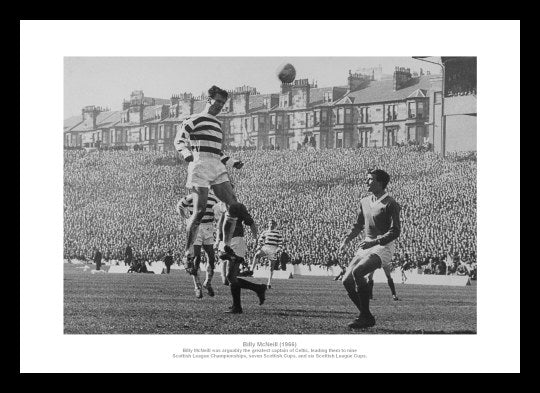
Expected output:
(392, 287)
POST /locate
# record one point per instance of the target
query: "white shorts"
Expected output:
(269, 252)
(205, 235)
(385, 252)
(206, 172)
(238, 244)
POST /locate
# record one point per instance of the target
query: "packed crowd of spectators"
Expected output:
(461, 81)
(114, 198)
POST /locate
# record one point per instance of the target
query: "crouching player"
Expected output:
(204, 240)
(230, 264)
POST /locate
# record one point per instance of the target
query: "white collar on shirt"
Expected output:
(373, 202)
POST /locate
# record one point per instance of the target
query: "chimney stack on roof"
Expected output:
(401, 77)
(357, 81)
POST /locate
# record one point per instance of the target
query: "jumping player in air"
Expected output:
(199, 140)
(204, 239)
(379, 216)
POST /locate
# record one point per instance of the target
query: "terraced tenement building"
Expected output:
(369, 110)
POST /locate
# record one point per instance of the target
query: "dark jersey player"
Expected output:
(379, 216)
(231, 263)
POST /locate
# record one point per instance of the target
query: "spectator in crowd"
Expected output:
(128, 255)
(168, 261)
(97, 258)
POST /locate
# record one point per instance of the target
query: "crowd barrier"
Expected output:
(264, 272)
(118, 269)
(410, 277)
(435, 279)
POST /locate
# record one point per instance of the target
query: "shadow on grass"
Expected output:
(310, 313)
(421, 331)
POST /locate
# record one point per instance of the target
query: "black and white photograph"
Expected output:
(271, 208)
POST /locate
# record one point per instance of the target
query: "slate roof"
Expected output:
(71, 122)
(383, 91)
(103, 119)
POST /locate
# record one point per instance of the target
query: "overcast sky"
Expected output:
(106, 81)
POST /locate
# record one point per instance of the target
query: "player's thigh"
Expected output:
(348, 275)
(387, 271)
(367, 264)
(225, 192)
(233, 269)
(239, 246)
(206, 235)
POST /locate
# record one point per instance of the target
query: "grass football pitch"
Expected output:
(166, 304)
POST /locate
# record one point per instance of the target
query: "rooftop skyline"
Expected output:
(107, 81)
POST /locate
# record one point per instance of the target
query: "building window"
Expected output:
(161, 132)
(421, 132)
(348, 116)
(324, 117)
(279, 125)
(339, 139)
(411, 133)
(328, 96)
(272, 122)
(412, 110)
(290, 121)
(340, 116)
(420, 111)
(391, 113)
(254, 123)
(317, 117)
(364, 115)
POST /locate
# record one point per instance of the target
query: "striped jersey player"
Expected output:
(204, 239)
(199, 140)
(271, 241)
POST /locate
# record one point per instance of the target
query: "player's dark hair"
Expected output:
(381, 176)
(216, 90)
